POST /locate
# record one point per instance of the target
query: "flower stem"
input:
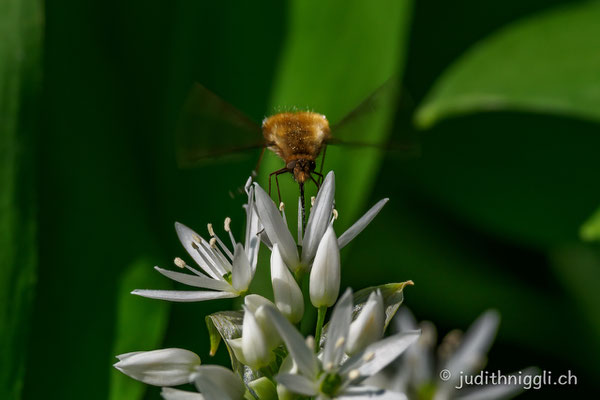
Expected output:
(320, 320)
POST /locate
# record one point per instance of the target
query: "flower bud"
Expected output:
(325, 273)
(165, 367)
(253, 348)
(367, 328)
(253, 302)
(288, 296)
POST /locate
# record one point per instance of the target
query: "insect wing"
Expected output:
(210, 129)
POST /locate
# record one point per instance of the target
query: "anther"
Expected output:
(281, 206)
(369, 356)
(335, 214)
(312, 201)
(213, 243)
(354, 374)
(340, 342)
(329, 366)
(197, 238)
(310, 342)
(227, 224)
(211, 232)
(179, 262)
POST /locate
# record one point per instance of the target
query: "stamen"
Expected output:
(310, 342)
(312, 201)
(197, 238)
(227, 226)
(179, 262)
(211, 232)
(335, 214)
(369, 356)
(329, 366)
(354, 374)
(340, 342)
(281, 206)
(213, 243)
(207, 260)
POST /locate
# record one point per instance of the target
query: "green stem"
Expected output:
(320, 320)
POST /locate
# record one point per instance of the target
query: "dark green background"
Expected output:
(487, 217)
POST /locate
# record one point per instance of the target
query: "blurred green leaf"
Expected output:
(546, 63)
(140, 326)
(590, 230)
(21, 29)
(336, 54)
(393, 295)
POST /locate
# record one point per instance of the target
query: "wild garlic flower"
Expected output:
(332, 377)
(325, 274)
(287, 293)
(227, 273)
(321, 215)
(417, 372)
(368, 326)
(165, 367)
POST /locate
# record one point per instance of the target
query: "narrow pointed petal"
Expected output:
(320, 216)
(361, 224)
(325, 275)
(366, 392)
(241, 274)
(297, 384)
(219, 383)
(275, 227)
(176, 394)
(303, 356)
(337, 334)
(183, 296)
(287, 293)
(165, 367)
(195, 280)
(188, 239)
(367, 328)
(475, 344)
(378, 355)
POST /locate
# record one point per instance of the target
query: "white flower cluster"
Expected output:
(270, 358)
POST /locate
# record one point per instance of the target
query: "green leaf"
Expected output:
(228, 325)
(141, 325)
(21, 29)
(590, 230)
(547, 63)
(336, 54)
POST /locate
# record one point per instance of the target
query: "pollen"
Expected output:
(211, 232)
(213, 243)
(179, 262)
(354, 374)
(227, 224)
(312, 201)
(335, 214)
(281, 206)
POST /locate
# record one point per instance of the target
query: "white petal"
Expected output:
(366, 392)
(475, 344)
(176, 394)
(379, 354)
(361, 224)
(219, 383)
(276, 230)
(303, 356)
(320, 216)
(337, 333)
(287, 293)
(187, 237)
(253, 301)
(195, 280)
(367, 328)
(255, 348)
(297, 384)
(241, 274)
(165, 367)
(183, 295)
(253, 226)
(325, 275)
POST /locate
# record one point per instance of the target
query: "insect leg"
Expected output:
(303, 207)
(278, 172)
(320, 179)
(322, 163)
